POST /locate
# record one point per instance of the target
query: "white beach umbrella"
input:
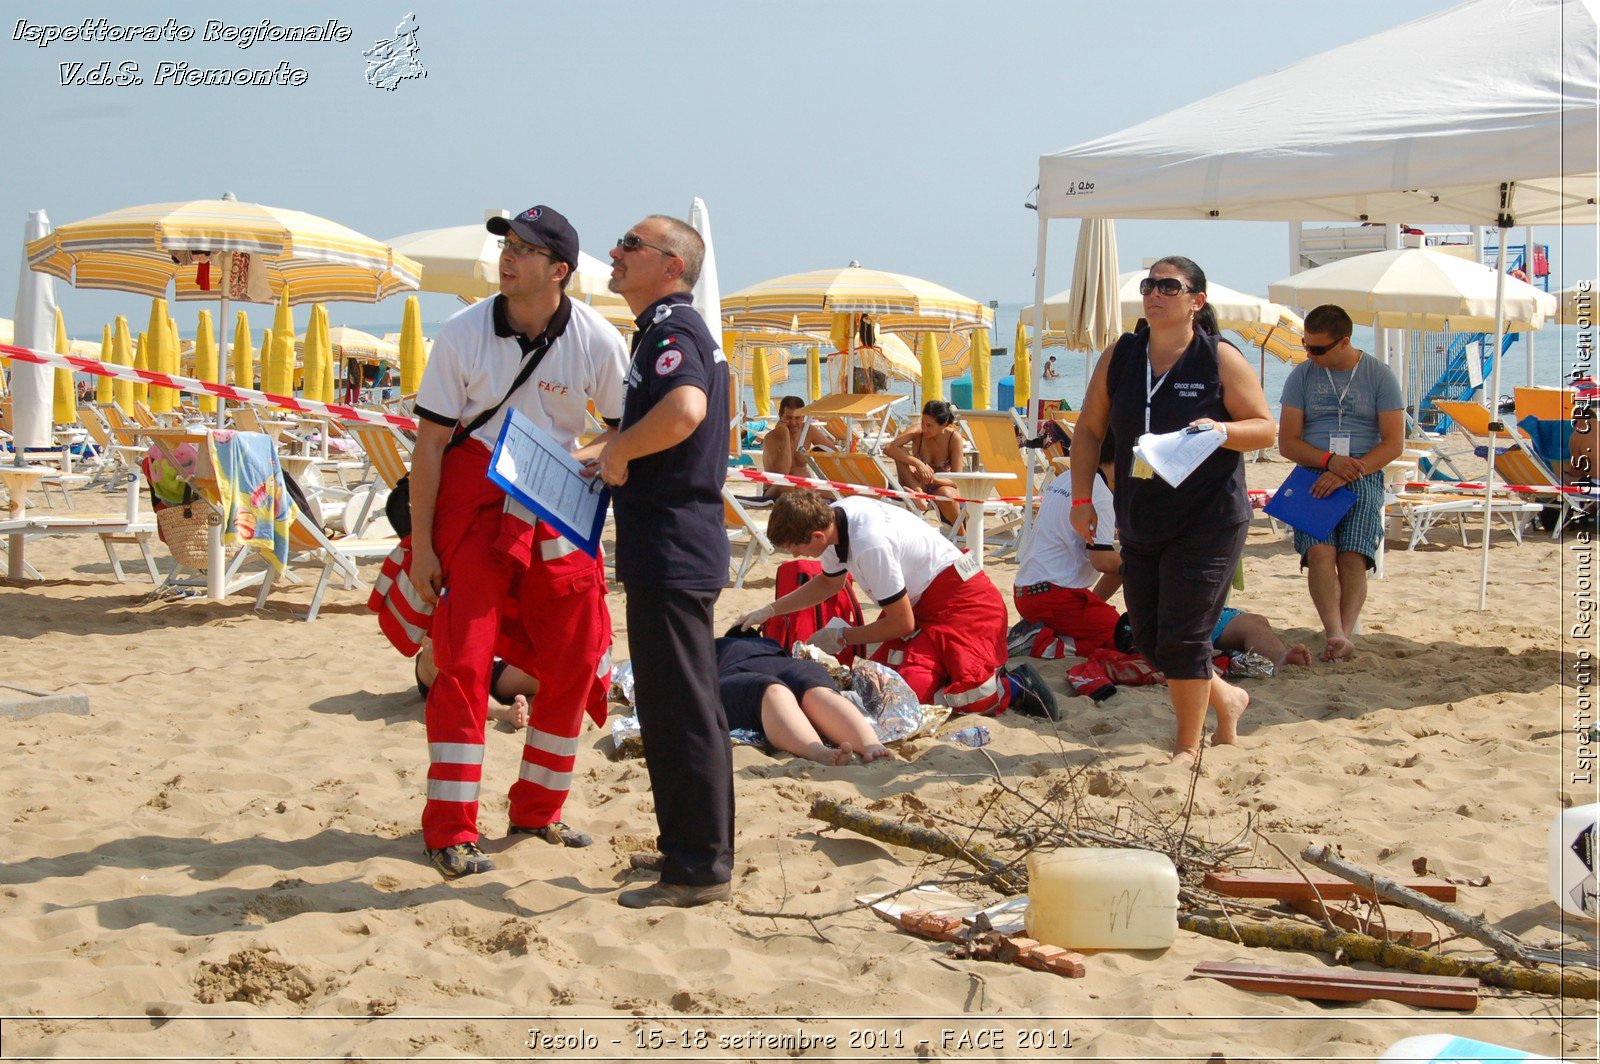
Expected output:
(707, 292)
(1577, 304)
(464, 260)
(33, 386)
(1417, 288)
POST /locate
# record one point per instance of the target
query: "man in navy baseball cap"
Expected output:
(541, 227)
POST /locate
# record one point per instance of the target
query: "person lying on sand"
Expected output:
(794, 703)
(509, 685)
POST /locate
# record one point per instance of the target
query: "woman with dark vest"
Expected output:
(1180, 545)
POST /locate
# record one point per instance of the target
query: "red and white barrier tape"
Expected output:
(221, 391)
(1523, 489)
(761, 477)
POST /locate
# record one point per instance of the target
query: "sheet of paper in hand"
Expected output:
(539, 473)
(1174, 455)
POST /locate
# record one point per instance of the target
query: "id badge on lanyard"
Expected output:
(1141, 469)
(1339, 442)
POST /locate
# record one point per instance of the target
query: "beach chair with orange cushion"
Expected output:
(744, 530)
(341, 554)
(843, 467)
(388, 456)
(993, 435)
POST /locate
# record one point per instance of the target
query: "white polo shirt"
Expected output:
(477, 354)
(1056, 553)
(889, 550)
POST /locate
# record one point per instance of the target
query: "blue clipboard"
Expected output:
(1294, 505)
(570, 505)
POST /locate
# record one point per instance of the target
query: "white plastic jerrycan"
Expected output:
(1094, 898)
(1572, 860)
(1448, 1049)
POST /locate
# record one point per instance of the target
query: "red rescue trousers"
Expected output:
(1076, 621)
(521, 592)
(957, 654)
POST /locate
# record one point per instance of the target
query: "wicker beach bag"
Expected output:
(186, 532)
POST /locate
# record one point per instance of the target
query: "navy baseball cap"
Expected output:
(543, 227)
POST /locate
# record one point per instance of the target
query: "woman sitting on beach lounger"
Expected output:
(933, 447)
(794, 703)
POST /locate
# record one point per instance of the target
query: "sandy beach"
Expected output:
(223, 860)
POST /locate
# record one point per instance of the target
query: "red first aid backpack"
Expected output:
(797, 627)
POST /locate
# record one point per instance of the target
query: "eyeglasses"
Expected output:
(633, 242)
(522, 250)
(1167, 286)
(1319, 349)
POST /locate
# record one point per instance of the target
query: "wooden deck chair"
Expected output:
(343, 554)
(108, 463)
(1520, 465)
(388, 457)
(207, 500)
(844, 467)
(742, 528)
(249, 419)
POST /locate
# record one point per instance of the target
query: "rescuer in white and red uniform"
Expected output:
(943, 622)
(501, 582)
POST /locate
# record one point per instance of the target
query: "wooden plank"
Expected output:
(1412, 937)
(1345, 984)
(1287, 886)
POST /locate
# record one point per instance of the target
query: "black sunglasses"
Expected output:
(1318, 349)
(1167, 286)
(632, 242)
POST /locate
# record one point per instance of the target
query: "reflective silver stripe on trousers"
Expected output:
(552, 744)
(604, 667)
(988, 689)
(455, 753)
(549, 779)
(414, 632)
(560, 547)
(452, 791)
(408, 591)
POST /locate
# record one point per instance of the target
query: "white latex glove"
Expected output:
(757, 617)
(828, 640)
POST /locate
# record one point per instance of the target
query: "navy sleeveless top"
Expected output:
(1150, 510)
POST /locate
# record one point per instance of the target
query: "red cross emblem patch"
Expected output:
(669, 361)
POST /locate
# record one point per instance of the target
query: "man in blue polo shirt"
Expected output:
(667, 468)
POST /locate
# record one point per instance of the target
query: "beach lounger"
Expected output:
(743, 529)
(993, 437)
(388, 457)
(342, 554)
(843, 467)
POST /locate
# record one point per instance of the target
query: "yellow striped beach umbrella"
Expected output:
(161, 399)
(932, 379)
(761, 380)
(980, 369)
(122, 392)
(64, 402)
(292, 253)
(413, 351)
(1280, 339)
(205, 359)
(141, 360)
(282, 340)
(813, 374)
(105, 387)
(1022, 378)
(268, 353)
(898, 303)
(317, 356)
(243, 359)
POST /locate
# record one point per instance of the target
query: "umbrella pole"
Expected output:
(1494, 416)
(216, 562)
(1028, 419)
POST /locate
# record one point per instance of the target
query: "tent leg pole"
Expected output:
(1494, 417)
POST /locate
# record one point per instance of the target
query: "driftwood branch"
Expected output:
(929, 840)
(1570, 982)
(1504, 946)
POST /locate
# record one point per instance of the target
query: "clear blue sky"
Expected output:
(903, 133)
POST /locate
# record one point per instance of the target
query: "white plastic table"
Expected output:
(976, 486)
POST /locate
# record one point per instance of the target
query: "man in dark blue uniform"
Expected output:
(667, 468)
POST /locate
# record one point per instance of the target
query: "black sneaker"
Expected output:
(1020, 639)
(462, 859)
(1036, 699)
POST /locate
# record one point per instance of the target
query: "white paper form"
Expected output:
(1174, 455)
(539, 473)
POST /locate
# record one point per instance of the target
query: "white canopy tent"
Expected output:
(1482, 114)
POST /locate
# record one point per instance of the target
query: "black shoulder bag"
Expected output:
(397, 507)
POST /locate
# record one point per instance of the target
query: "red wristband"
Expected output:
(1326, 459)
(1083, 502)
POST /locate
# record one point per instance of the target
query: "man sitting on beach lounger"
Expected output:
(782, 449)
(943, 622)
